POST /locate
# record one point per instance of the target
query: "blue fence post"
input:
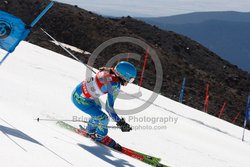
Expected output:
(247, 117)
(182, 90)
(4, 58)
(42, 14)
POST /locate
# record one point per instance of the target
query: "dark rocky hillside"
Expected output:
(179, 55)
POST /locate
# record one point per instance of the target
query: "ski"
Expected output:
(124, 149)
(154, 161)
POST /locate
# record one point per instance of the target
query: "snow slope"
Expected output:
(35, 82)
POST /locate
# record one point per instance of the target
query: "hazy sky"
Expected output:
(158, 7)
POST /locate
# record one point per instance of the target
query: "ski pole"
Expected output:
(68, 120)
(71, 54)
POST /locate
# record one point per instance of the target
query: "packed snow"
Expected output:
(35, 82)
(73, 48)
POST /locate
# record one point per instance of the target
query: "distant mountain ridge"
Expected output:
(225, 33)
(198, 17)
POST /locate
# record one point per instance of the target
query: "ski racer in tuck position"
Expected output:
(86, 98)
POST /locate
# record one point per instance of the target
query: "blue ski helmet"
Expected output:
(126, 71)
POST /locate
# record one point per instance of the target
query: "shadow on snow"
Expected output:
(103, 153)
(17, 133)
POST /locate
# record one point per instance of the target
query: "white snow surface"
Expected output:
(35, 82)
(73, 48)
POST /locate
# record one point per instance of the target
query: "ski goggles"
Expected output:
(131, 80)
(127, 80)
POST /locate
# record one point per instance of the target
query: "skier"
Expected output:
(86, 94)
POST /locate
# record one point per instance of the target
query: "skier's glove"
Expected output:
(125, 127)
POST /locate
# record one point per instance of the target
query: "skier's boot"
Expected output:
(108, 141)
(88, 133)
(118, 147)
